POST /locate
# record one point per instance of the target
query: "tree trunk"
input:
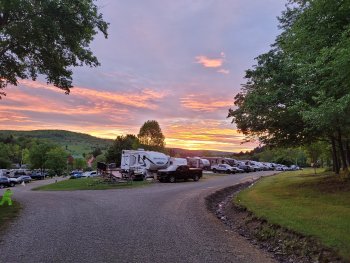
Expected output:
(335, 157)
(345, 173)
(347, 151)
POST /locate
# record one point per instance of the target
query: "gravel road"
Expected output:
(160, 223)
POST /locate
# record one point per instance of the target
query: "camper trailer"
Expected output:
(197, 162)
(221, 160)
(143, 163)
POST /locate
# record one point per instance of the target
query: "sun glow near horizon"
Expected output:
(169, 67)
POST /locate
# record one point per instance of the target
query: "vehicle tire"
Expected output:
(172, 179)
(228, 172)
(12, 184)
(214, 170)
(196, 178)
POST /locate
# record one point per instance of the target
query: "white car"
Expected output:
(281, 168)
(223, 168)
(89, 174)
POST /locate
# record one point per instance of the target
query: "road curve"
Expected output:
(160, 223)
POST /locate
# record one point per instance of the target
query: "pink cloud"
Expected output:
(206, 103)
(224, 71)
(210, 62)
(140, 99)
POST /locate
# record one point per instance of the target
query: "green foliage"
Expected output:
(286, 156)
(89, 184)
(128, 142)
(318, 153)
(101, 158)
(299, 92)
(305, 203)
(25, 156)
(8, 214)
(5, 161)
(56, 161)
(73, 142)
(47, 37)
(38, 155)
(96, 152)
(79, 163)
(151, 136)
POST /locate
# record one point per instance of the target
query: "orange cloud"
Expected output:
(204, 103)
(205, 134)
(106, 114)
(210, 62)
(141, 99)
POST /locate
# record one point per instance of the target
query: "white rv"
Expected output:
(197, 162)
(143, 163)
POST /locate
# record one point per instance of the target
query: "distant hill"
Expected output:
(74, 142)
(79, 143)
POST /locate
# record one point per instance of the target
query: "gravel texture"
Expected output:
(160, 223)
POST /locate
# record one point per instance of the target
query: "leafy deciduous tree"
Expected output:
(128, 142)
(56, 161)
(38, 155)
(151, 136)
(47, 37)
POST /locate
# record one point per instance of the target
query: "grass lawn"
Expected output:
(89, 184)
(8, 213)
(314, 205)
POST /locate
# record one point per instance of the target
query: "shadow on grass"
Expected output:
(325, 182)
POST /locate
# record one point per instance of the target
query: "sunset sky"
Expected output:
(178, 62)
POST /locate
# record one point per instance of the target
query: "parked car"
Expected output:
(76, 175)
(17, 173)
(223, 168)
(24, 178)
(174, 173)
(246, 168)
(281, 168)
(37, 175)
(4, 182)
(13, 181)
(89, 174)
(237, 170)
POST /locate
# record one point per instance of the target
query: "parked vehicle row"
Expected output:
(81, 174)
(232, 166)
(15, 173)
(11, 181)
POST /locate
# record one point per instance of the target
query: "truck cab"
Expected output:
(181, 172)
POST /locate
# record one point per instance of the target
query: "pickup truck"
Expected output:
(174, 173)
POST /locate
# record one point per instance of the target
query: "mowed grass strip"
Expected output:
(313, 205)
(8, 213)
(89, 184)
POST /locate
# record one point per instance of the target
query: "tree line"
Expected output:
(45, 155)
(298, 93)
(150, 137)
(38, 154)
